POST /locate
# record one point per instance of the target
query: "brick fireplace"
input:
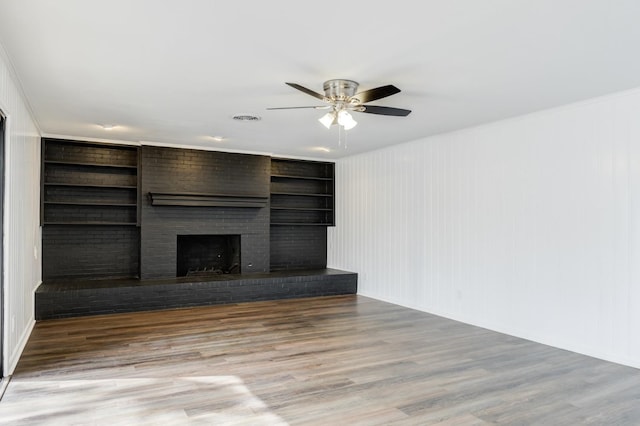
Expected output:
(238, 180)
(201, 255)
(129, 229)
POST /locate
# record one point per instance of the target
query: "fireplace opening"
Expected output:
(200, 255)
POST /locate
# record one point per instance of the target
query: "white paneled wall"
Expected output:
(529, 226)
(22, 272)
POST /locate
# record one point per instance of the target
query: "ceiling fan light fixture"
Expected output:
(328, 119)
(341, 97)
(346, 120)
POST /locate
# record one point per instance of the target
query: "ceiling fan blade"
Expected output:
(377, 93)
(301, 107)
(307, 91)
(381, 110)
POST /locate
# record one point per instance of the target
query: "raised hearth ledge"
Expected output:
(191, 199)
(69, 298)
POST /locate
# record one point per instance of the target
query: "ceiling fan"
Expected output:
(341, 97)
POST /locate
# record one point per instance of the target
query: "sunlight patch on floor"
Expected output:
(216, 400)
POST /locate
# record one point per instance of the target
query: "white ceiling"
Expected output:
(175, 72)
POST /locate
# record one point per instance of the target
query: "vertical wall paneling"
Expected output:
(2, 322)
(22, 272)
(528, 226)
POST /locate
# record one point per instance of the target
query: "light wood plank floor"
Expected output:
(323, 361)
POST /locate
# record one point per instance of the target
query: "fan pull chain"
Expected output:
(341, 133)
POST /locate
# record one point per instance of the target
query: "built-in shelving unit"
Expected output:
(85, 183)
(89, 212)
(302, 193)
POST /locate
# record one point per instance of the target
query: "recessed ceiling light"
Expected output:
(320, 149)
(217, 138)
(246, 117)
(108, 126)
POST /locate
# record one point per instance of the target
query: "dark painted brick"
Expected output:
(186, 170)
(60, 302)
(89, 251)
(298, 247)
(72, 151)
(102, 252)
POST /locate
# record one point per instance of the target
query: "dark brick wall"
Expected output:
(186, 170)
(91, 252)
(91, 195)
(298, 247)
(71, 173)
(285, 166)
(79, 213)
(211, 172)
(150, 251)
(64, 150)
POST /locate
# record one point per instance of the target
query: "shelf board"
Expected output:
(96, 223)
(77, 163)
(82, 203)
(300, 224)
(301, 177)
(311, 209)
(90, 185)
(301, 194)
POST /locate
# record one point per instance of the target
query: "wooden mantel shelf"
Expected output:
(190, 199)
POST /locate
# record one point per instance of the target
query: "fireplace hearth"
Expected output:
(202, 255)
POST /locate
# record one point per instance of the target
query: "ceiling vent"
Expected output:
(246, 117)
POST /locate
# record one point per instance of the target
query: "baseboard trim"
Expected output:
(12, 362)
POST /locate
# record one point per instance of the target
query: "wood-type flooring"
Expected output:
(344, 360)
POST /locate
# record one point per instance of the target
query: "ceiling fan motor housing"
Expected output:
(340, 89)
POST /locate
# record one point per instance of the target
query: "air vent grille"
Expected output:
(246, 117)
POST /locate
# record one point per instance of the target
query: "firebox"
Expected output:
(208, 255)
